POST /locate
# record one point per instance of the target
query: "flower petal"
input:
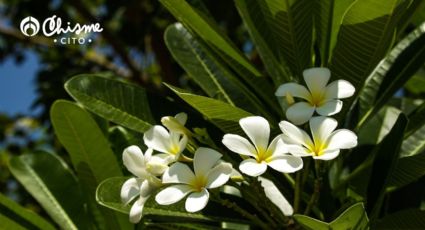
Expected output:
(327, 155)
(316, 80)
(136, 211)
(276, 196)
(258, 130)
(204, 160)
(339, 89)
(181, 118)
(299, 113)
(330, 108)
(158, 138)
(294, 135)
(182, 144)
(172, 194)
(286, 164)
(134, 161)
(156, 166)
(277, 146)
(178, 173)
(293, 89)
(252, 168)
(299, 151)
(321, 128)
(219, 175)
(239, 145)
(130, 190)
(197, 201)
(342, 139)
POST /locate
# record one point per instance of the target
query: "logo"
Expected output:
(30, 26)
(62, 33)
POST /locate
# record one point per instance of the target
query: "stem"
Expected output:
(314, 197)
(297, 192)
(234, 206)
(316, 192)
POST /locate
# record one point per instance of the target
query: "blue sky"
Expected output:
(17, 88)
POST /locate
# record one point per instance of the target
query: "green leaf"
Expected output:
(416, 120)
(366, 33)
(83, 139)
(406, 219)
(392, 73)
(411, 166)
(414, 144)
(329, 14)
(354, 217)
(114, 100)
(379, 126)
(108, 195)
(223, 115)
(386, 156)
(20, 217)
(52, 184)
(89, 150)
(208, 72)
(197, 21)
(260, 23)
(286, 27)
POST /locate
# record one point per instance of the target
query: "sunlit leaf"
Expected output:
(123, 103)
(48, 179)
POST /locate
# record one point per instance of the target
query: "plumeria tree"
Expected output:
(306, 136)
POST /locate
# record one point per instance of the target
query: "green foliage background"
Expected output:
(379, 46)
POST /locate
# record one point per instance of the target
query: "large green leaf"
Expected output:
(208, 72)
(414, 144)
(204, 26)
(416, 120)
(223, 115)
(52, 184)
(14, 216)
(263, 22)
(354, 217)
(329, 14)
(89, 150)
(282, 32)
(366, 33)
(379, 126)
(411, 166)
(392, 73)
(406, 219)
(83, 139)
(385, 161)
(108, 195)
(114, 100)
(208, 31)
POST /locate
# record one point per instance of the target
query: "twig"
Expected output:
(244, 213)
(297, 192)
(317, 185)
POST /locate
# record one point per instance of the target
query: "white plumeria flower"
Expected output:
(169, 142)
(210, 173)
(260, 152)
(145, 167)
(326, 142)
(320, 97)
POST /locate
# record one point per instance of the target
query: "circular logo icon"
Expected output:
(30, 26)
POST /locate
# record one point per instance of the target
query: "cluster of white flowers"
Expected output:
(284, 153)
(152, 172)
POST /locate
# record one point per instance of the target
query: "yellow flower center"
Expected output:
(262, 155)
(199, 183)
(317, 149)
(174, 149)
(317, 99)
